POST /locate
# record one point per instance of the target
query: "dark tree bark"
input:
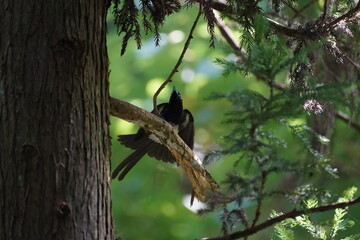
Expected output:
(54, 137)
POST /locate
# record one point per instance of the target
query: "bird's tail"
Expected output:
(125, 166)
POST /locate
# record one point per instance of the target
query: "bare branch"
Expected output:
(178, 63)
(345, 118)
(200, 179)
(284, 29)
(292, 214)
(226, 33)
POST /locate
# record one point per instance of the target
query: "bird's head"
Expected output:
(174, 111)
(175, 98)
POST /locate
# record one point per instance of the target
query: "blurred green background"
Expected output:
(150, 204)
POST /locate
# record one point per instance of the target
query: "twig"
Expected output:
(259, 200)
(200, 179)
(355, 64)
(349, 14)
(178, 63)
(292, 214)
(290, 32)
(291, 7)
(226, 33)
(303, 9)
(345, 118)
(263, 177)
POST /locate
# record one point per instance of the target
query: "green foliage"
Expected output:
(256, 143)
(153, 13)
(327, 230)
(266, 159)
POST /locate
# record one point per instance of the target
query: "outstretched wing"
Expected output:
(153, 149)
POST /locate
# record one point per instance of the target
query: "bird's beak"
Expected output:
(175, 91)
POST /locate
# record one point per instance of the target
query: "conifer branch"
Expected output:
(291, 214)
(233, 43)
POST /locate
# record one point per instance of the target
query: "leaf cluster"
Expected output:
(327, 230)
(257, 152)
(153, 14)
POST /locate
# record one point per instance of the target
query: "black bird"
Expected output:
(147, 143)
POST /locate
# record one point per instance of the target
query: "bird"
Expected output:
(144, 142)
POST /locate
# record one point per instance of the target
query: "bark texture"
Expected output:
(54, 139)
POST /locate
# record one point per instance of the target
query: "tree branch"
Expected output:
(259, 198)
(346, 119)
(200, 179)
(226, 10)
(347, 15)
(231, 40)
(178, 63)
(327, 8)
(292, 214)
(226, 33)
(301, 10)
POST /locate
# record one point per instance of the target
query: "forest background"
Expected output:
(152, 201)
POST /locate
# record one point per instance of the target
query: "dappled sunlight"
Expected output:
(123, 127)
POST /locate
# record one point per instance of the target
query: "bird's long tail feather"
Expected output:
(125, 166)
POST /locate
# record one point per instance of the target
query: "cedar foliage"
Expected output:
(278, 42)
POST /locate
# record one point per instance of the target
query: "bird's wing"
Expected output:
(138, 140)
(160, 152)
(157, 150)
(141, 140)
(142, 145)
(134, 141)
(187, 130)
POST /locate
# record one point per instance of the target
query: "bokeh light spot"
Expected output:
(152, 85)
(168, 209)
(176, 36)
(187, 75)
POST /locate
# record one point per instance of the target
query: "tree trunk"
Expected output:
(54, 136)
